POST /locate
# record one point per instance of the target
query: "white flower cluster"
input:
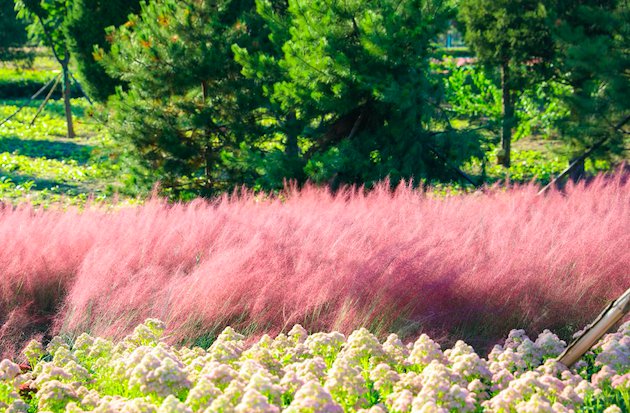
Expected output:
(322, 372)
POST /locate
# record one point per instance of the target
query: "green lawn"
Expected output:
(40, 165)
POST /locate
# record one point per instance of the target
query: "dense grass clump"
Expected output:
(468, 266)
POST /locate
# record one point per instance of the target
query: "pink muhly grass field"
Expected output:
(470, 266)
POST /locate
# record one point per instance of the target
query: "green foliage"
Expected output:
(598, 402)
(355, 80)
(513, 36)
(540, 109)
(475, 97)
(593, 38)
(11, 190)
(16, 76)
(186, 103)
(526, 166)
(454, 52)
(47, 19)
(512, 31)
(217, 94)
(471, 93)
(17, 83)
(85, 28)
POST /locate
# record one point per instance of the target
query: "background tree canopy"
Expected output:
(332, 92)
(85, 27)
(186, 105)
(513, 36)
(204, 96)
(13, 34)
(593, 39)
(357, 79)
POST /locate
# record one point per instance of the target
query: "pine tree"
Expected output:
(186, 107)
(511, 35)
(353, 78)
(593, 39)
(260, 56)
(85, 28)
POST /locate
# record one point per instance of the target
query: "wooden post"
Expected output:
(594, 331)
(23, 105)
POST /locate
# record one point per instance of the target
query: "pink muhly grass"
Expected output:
(469, 266)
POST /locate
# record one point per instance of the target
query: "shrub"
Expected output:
(287, 373)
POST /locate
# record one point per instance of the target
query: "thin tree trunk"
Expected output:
(208, 154)
(66, 76)
(66, 95)
(508, 116)
(291, 149)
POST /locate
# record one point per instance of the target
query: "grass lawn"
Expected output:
(38, 164)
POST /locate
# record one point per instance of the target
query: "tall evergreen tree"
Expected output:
(186, 106)
(85, 27)
(593, 39)
(260, 57)
(511, 35)
(354, 80)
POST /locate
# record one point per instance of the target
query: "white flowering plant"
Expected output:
(321, 372)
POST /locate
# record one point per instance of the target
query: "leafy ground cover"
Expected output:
(39, 165)
(320, 372)
(465, 266)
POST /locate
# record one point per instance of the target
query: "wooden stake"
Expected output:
(46, 99)
(23, 105)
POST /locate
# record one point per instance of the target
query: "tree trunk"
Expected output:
(577, 172)
(66, 95)
(208, 154)
(209, 162)
(291, 149)
(508, 117)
